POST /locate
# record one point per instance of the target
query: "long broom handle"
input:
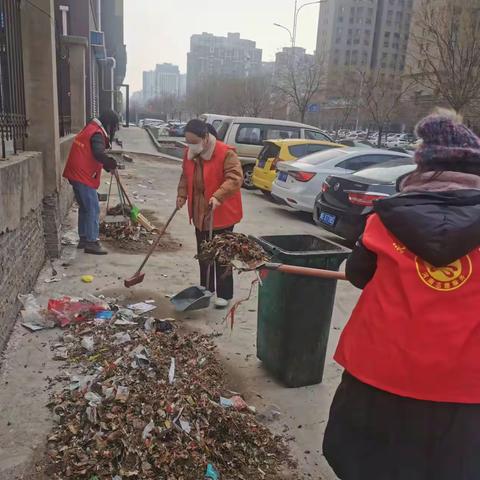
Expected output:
(210, 238)
(117, 176)
(304, 271)
(157, 240)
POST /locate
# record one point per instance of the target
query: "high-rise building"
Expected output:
(164, 81)
(229, 56)
(364, 34)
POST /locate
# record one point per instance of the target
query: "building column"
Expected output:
(41, 98)
(38, 36)
(77, 48)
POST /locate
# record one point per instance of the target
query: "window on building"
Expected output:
(387, 34)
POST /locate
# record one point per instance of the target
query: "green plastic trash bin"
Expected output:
(295, 312)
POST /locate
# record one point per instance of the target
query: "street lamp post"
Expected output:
(288, 30)
(295, 17)
(293, 33)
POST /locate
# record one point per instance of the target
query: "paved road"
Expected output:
(136, 140)
(303, 411)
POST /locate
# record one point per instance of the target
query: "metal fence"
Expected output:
(13, 121)
(63, 85)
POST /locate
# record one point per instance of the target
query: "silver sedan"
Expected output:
(298, 183)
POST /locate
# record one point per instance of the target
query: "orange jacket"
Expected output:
(230, 212)
(81, 164)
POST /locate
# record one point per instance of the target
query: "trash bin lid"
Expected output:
(301, 245)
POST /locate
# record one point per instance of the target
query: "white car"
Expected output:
(298, 183)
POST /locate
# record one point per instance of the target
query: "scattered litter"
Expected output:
(211, 473)
(121, 338)
(269, 414)
(125, 314)
(122, 394)
(88, 343)
(121, 418)
(104, 315)
(236, 402)
(186, 427)
(93, 399)
(148, 430)
(171, 371)
(33, 315)
(156, 325)
(130, 237)
(32, 327)
(68, 310)
(229, 247)
(52, 280)
(142, 307)
(123, 323)
(87, 278)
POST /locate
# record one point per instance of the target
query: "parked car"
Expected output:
(213, 119)
(401, 141)
(346, 200)
(177, 130)
(299, 183)
(248, 134)
(275, 151)
(357, 143)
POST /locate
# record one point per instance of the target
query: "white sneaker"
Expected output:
(221, 303)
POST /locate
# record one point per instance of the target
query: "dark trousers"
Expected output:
(221, 278)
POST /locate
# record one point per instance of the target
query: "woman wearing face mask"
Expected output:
(211, 181)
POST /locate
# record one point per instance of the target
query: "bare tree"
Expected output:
(344, 93)
(446, 53)
(382, 95)
(299, 81)
(257, 95)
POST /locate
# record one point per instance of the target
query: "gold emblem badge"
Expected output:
(447, 278)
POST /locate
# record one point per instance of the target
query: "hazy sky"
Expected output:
(159, 31)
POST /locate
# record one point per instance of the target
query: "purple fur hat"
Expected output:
(446, 143)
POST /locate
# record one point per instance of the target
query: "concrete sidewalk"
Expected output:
(24, 419)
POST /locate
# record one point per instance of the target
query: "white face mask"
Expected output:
(195, 148)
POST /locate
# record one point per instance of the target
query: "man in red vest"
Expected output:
(83, 170)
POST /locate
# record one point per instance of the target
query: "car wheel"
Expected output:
(248, 177)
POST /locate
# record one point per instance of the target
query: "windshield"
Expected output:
(321, 157)
(388, 171)
(222, 131)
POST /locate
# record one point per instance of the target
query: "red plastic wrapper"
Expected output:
(68, 311)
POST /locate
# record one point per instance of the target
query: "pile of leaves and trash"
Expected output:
(228, 248)
(129, 237)
(149, 402)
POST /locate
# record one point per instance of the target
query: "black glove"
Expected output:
(110, 164)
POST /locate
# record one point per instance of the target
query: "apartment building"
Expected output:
(364, 34)
(229, 56)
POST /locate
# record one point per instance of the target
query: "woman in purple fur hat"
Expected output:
(408, 406)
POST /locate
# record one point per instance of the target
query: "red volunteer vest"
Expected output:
(81, 164)
(230, 212)
(415, 331)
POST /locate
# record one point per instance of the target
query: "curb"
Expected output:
(158, 146)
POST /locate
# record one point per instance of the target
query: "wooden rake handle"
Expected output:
(304, 271)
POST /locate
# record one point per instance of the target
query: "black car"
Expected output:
(346, 200)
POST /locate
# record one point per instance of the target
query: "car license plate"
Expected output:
(328, 219)
(282, 176)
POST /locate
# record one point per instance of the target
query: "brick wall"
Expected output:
(22, 254)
